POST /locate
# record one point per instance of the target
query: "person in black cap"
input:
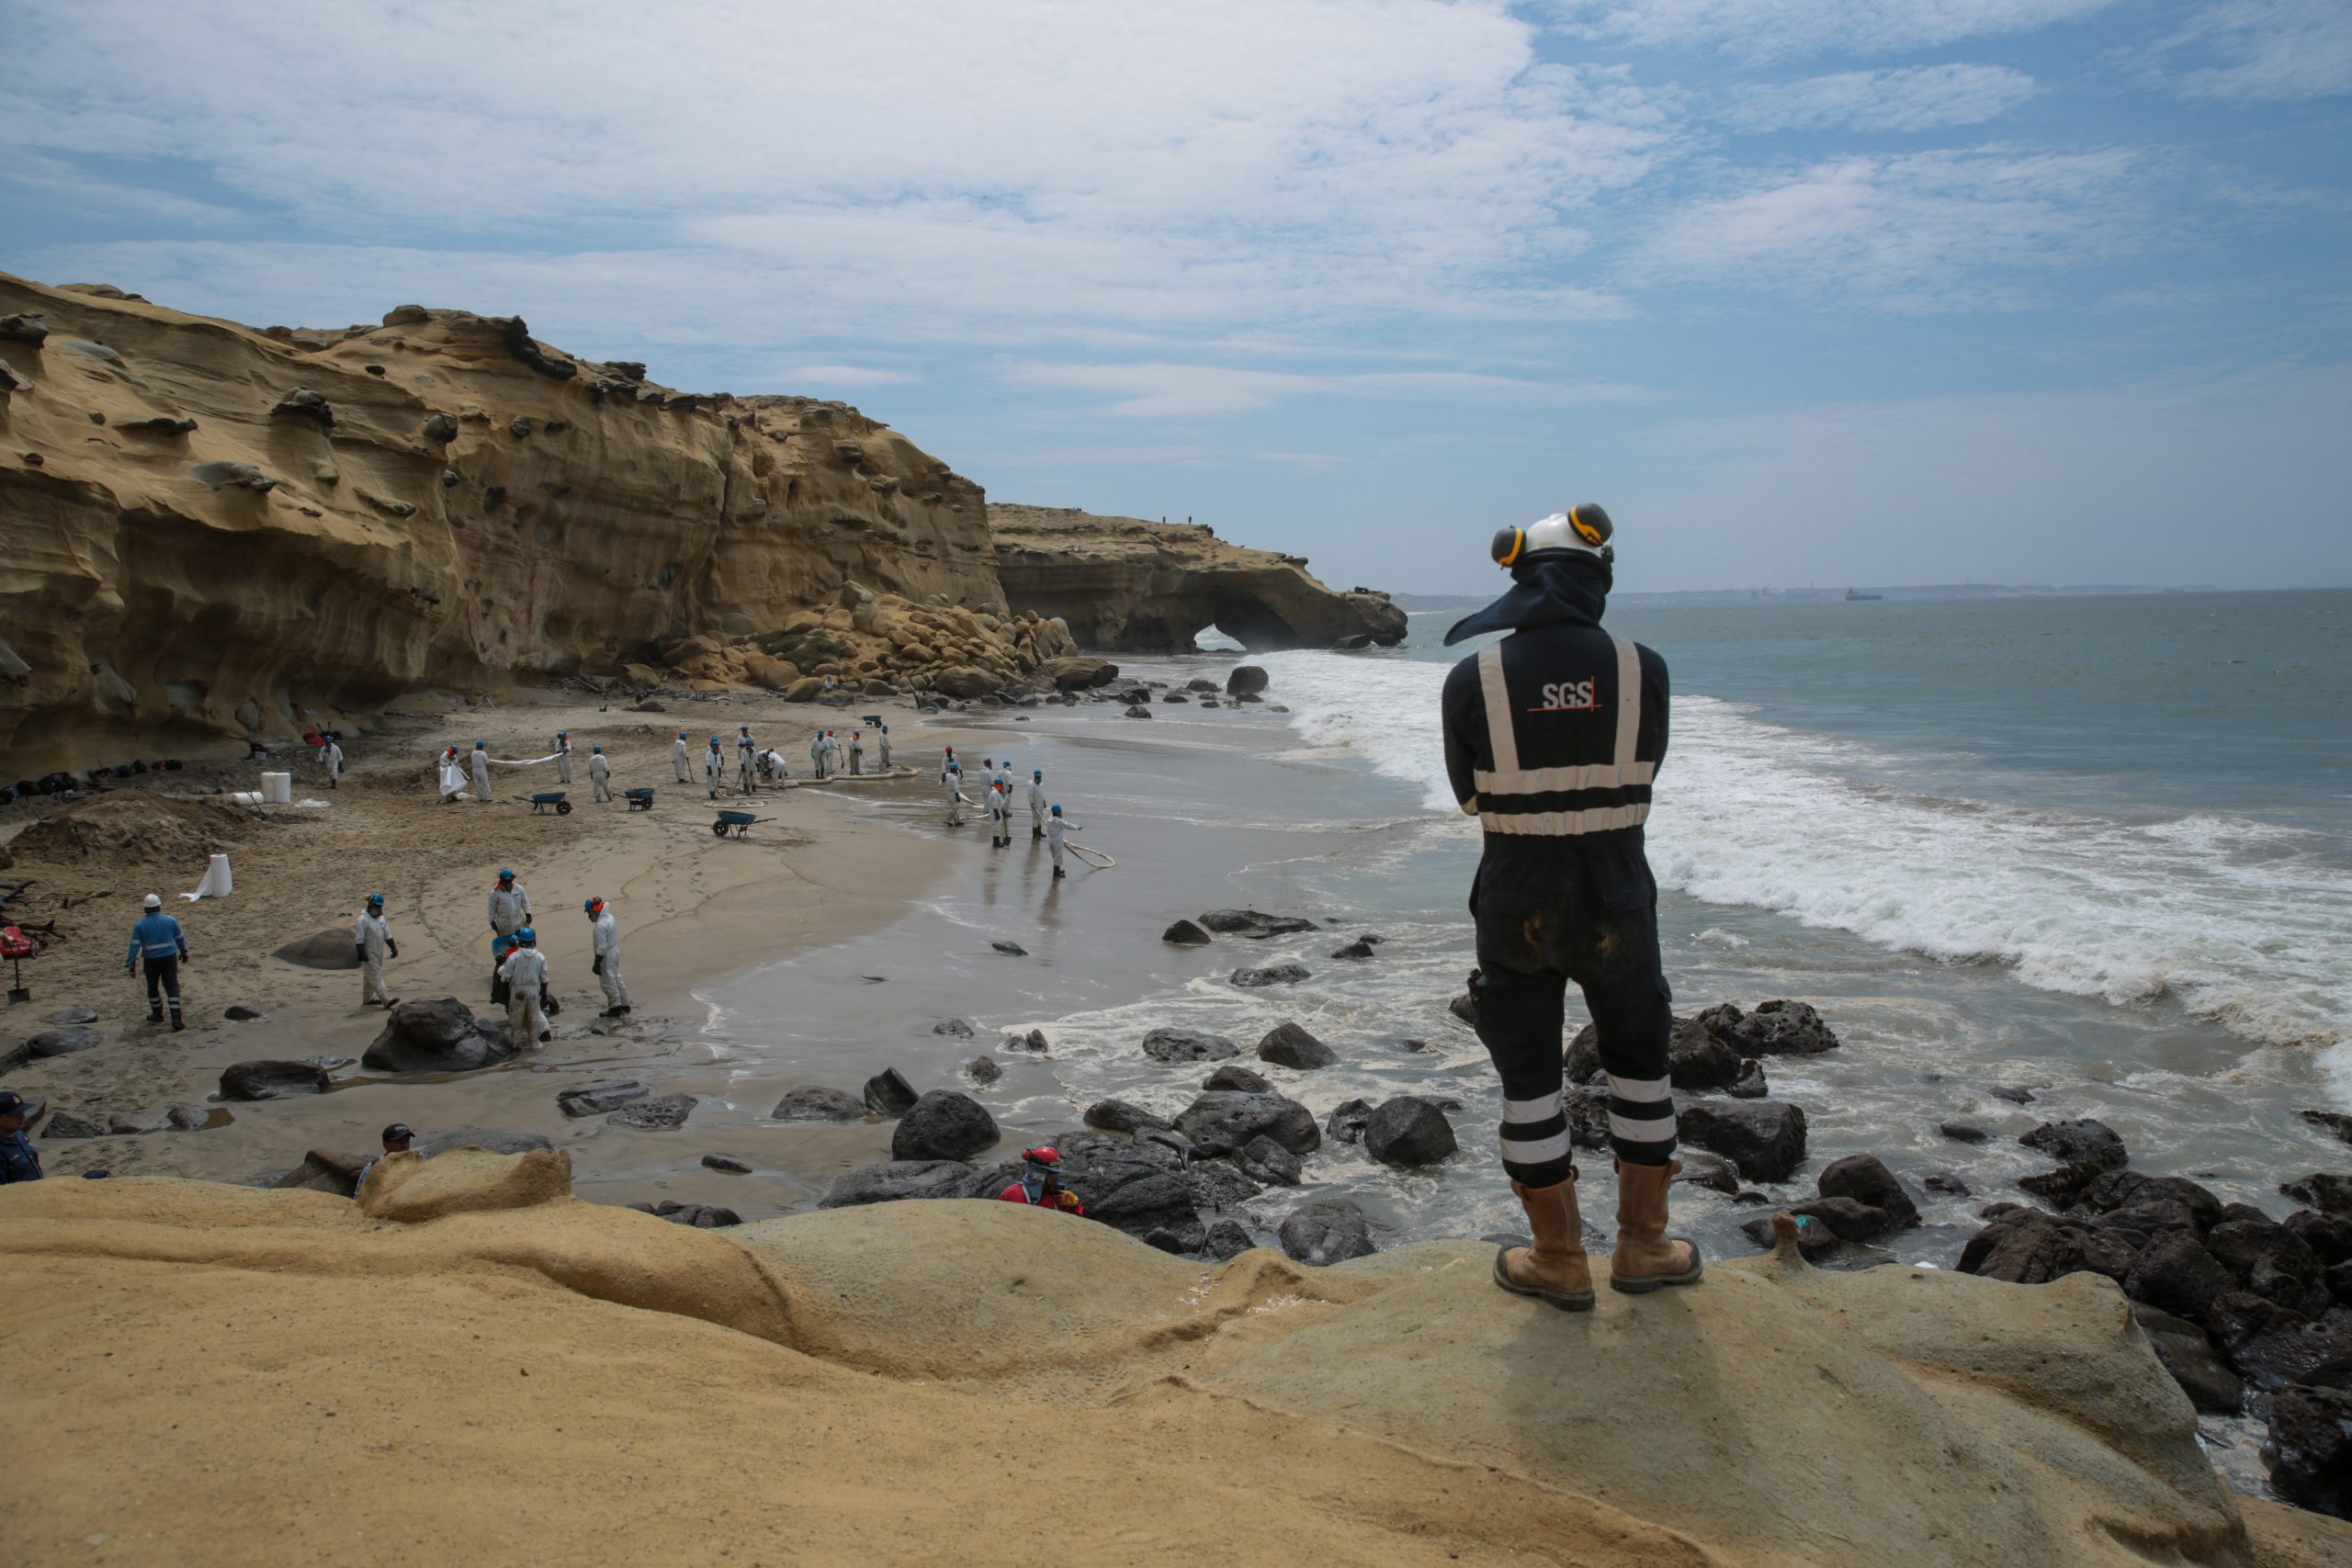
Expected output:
(19, 1161)
(398, 1139)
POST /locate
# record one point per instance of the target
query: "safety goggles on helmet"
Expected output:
(1584, 529)
(1043, 1157)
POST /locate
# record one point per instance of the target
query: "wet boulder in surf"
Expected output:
(1408, 1130)
(1233, 1076)
(2311, 1445)
(1255, 975)
(2086, 1141)
(1764, 1137)
(1777, 1028)
(944, 1124)
(897, 1179)
(1184, 934)
(272, 1080)
(1221, 1122)
(2330, 1194)
(1267, 1162)
(1289, 1045)
(2187, 1354)
(1324, 1231)
(1865, 1179)
(815, 1102)
(1696, 1056)
(1254, 924)
(596, 1098)
(1345, 1124)
(1174, 1045)
(1122, 1116)
(887, 1093)
(1246, 681)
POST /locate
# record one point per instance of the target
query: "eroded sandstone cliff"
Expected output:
(211, 529)
(1123, 583)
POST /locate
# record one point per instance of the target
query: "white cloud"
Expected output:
(1226, 165)
(1781, 30)
(1913, 98)
(1924, 231)
(843, 376)
(2271, 49)
(1188, 391)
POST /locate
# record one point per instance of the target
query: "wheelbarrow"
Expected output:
(553, 798)
(736, 822)
(638, 799)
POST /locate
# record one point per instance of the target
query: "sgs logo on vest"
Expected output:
(1567, 696)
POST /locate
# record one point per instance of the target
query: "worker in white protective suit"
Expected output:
(510, 906)
(371, 939)
(482, 772)
(773, 770)
(563, 756)
(332, 754)
(747, 759)
(714, 768)
(832, 754)
(678, 759)
(816, 754)
(1002, 778)
(953, 777)
(452, 780)
(882, 747)
(600, 775)
(1000, 830)
(856, 751)
(525, 973)
(1036, 804)
(605, 934)
(1055, 828)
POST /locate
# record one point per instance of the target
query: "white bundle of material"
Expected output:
(217, 883)
(277, 789)
(523, 761)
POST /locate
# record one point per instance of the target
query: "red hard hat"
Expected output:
(1044, 1153)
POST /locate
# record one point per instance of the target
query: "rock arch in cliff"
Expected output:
(1123, 584)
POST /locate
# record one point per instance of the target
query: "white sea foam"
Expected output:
(2241, 922)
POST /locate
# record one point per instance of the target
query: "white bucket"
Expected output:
(277, 789)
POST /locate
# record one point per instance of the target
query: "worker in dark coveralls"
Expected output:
(1552, 735)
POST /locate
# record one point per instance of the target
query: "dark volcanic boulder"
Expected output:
(955, 1028)
(1138, 1186)
(1184, 934)
(1587, 1112)
(64, 1041)
(2328, 1193)
(2178, 1275)
(887, 1093)
(1325, 1230)
(1254, 924)
(1815, 1239)
(1785, 1028)
(1246, 681)
(269, 1079)
(441, 1036)
(1751, 1084)
(1268, 1163)
(1119, 1116)
(1218, 1185)
(64, 1124)
(1345, 1124)
(1764, 1137)
(944, 1124)
(1239, 1079)
(1846, 1219)
(1227, 1240)
(2269, 1260)
(244, 1013)
(2114, 1189)
(899, 1178)
(656, 1113)
(814, 1102)
(1187, 1045)
(1960, 1132)
(1696, 1056)
(2023, 1246)
(2333, 1121)
(2083, 1141)
(1357, 949)
(1288, 1045)
(1408, 1130)
(595, 1098)
(983, 1071)
(1220, 1123)
(2063, 1186)
(2272, 1346)
(2188, 1356)
(1865, 1179)
(2310, 1448)
(1270, 975)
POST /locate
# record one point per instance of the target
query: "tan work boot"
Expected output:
(1647, 1256)
(1553, 1268)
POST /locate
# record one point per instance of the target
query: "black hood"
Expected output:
(1567, 589)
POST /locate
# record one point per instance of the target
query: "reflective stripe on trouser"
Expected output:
(371, 985)
(609, 977)
(163, 980)
(1562, 802)
(1527, 961)
(525, 1022)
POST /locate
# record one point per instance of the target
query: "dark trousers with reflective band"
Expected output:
(1527, 957)
(163, 980)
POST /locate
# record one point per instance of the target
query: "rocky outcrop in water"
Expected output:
(1123, 584)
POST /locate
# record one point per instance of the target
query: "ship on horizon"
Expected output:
(1856, 596)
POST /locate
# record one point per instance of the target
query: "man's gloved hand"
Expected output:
(1065, 1198)
(598, 967)
(358, 954)
(391, 946)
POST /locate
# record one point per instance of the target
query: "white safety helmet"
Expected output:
(1584, 529)
(155, 901)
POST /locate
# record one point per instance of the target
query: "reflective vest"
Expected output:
(1589, 780)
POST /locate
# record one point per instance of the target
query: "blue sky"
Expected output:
(1803, 290)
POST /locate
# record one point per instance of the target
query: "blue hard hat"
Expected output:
(479, 745)
(375, 900)
(503, 873)
(1037, 772)
(681, 734)
(714, 740)
(1058, 811)
(526, 934)
(588, 906)
(596, 747)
